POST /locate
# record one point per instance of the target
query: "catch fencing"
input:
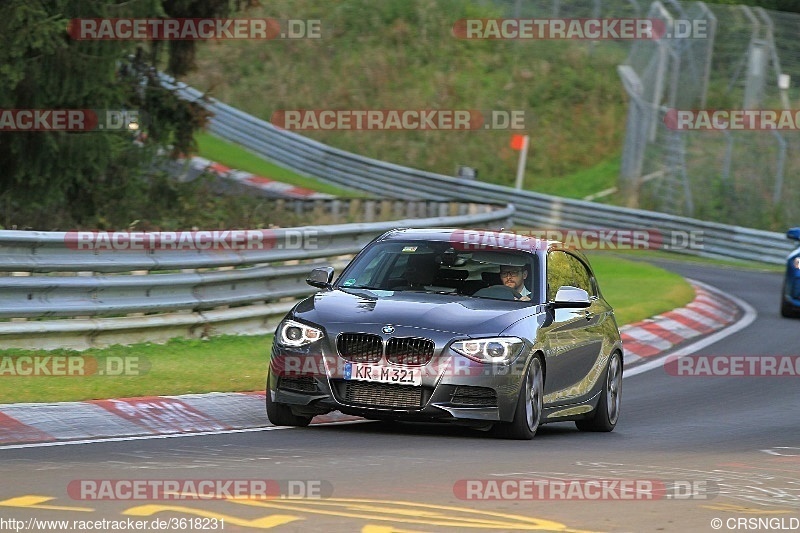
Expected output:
(742, 58)
(749, 59)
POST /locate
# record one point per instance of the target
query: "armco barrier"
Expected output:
(532, 209)
(58, 296)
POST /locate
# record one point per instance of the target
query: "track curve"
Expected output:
(733, 440)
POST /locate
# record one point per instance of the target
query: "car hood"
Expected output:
(440, 312)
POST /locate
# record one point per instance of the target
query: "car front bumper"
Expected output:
(453, 388)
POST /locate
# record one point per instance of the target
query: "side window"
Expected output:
(580, 276)
(557, 272)
(565, 269)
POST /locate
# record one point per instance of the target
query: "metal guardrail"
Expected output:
(125, 295)
(248, 291)
(535, 210)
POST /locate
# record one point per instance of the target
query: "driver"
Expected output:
(514, 278)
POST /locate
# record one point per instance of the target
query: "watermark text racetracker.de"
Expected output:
(188, 29)
(72, 365)
(732, 119)
(580, 28)
(581, 239)
(583, 489)
(70, 120)
(198, 489)
(334, 367)
(733, 366)
(213, 240)
(399, 119)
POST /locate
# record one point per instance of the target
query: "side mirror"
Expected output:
(793, 234)
(321, 277)
(571, 298)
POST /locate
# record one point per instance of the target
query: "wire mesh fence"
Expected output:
(741, 175)
(735, 58)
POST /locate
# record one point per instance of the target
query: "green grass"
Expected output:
(235, 156)
(675, 257)
(181, 366)
(401, 54)
(579, 184)
(238, 363)
(638, 290)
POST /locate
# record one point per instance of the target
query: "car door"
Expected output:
(573, 344)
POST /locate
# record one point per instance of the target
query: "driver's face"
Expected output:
(513, 277)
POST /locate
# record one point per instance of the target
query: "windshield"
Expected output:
(431, 266)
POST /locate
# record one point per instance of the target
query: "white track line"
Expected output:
(165, 436)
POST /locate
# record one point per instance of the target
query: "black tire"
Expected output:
(281, 414)
(789, 311)
(605, 416)
(528, 414)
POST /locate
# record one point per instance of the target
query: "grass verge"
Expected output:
(576, 185)
(674, 257)
(582, 183)
(181, 366)
(401, 55)
(639, 290)
(238, 363)
(235, 156)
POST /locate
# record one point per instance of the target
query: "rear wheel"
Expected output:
(789, 311)
(606, 413)
(281, 414)
(528, 414)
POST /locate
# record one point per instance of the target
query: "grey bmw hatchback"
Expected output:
(488, 329)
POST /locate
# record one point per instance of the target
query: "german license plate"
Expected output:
(383, 374)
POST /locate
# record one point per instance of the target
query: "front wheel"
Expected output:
(606, 413)
(788, 311)
(281, 414)
(528, 414)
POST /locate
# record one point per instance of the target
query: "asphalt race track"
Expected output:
(725, 448)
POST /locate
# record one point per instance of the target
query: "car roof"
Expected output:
(479, 238)
(485, 239)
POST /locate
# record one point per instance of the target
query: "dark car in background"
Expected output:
(420, 327)
(790, 300)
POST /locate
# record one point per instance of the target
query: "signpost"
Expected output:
(520, 142)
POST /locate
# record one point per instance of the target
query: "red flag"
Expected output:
(517, 142)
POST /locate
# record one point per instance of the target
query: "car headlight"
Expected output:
(293, 333)
(796, 263)
(501, 350)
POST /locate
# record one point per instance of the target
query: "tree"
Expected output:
(775, 5)
(51, 179)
